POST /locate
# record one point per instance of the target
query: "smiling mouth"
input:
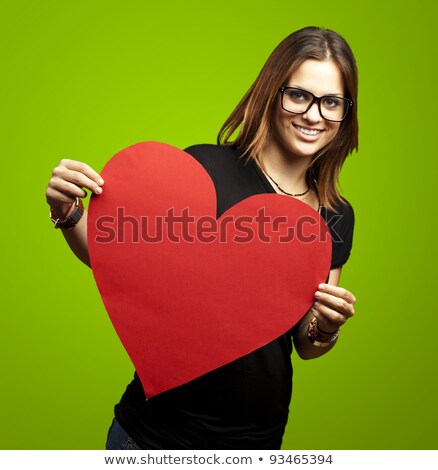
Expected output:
(307, 131)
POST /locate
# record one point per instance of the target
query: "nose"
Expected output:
(313, 114)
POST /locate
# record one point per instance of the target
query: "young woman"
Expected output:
(295, 127)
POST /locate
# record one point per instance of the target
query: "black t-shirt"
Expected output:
(244, 404)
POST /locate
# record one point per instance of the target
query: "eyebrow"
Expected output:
(340, 95)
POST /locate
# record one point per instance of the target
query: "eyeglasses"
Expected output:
(331, 107)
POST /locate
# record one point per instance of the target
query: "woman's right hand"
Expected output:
(67, 182)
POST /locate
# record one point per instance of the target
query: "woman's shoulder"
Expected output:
(341, 225)
(205, 151)
(344, 208)
(216, 159)
(341, 218)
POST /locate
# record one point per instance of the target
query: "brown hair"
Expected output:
(253, 113)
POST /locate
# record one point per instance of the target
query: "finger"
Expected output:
(79, 179)
(327, 316)
(54, 197)
(336, 303)
(338, 292)
(82, 168)
(67, 188)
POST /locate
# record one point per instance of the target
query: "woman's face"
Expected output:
(302, 135)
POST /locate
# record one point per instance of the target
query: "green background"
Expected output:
(85, 79)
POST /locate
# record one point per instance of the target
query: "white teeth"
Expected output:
(308, 131)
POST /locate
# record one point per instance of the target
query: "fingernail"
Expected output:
(98, 190)
(317, 294)
(100, 181)
(321, 287)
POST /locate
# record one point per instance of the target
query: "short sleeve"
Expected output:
(341, 225)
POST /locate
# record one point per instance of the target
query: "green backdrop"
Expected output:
(86, 79)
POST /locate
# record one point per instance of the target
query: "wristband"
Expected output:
(326, 333)
(67, 223)
(317, 338)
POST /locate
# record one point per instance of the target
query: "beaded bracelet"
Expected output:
(317, 337)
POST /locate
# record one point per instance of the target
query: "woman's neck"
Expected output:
(288, 171)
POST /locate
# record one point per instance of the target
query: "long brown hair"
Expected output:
(254, 112)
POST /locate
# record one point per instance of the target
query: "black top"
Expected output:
(244, 404)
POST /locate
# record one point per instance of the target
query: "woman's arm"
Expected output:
(77, 239)
(66, 183)
(333, 306)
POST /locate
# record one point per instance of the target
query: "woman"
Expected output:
(296, 126)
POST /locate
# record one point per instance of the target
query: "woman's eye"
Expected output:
(298, 95)
(331, 102)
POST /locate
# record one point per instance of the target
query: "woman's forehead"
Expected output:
(319, 77)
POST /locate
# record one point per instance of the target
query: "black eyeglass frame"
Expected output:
(315, 99)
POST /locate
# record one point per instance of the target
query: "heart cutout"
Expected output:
(186, 297)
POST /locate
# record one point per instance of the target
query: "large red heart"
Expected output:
(198, 298)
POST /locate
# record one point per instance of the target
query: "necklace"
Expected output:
(285, 192)
(306, 196)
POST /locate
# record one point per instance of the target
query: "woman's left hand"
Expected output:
(333, 307)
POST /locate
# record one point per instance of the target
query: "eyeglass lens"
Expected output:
(298, 101)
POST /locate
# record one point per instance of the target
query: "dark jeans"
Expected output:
(118, 438)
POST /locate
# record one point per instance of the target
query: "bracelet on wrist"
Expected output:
(318, 338)
(70, 219)
(327, 333)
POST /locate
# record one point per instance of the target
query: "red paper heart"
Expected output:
(197, 299)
